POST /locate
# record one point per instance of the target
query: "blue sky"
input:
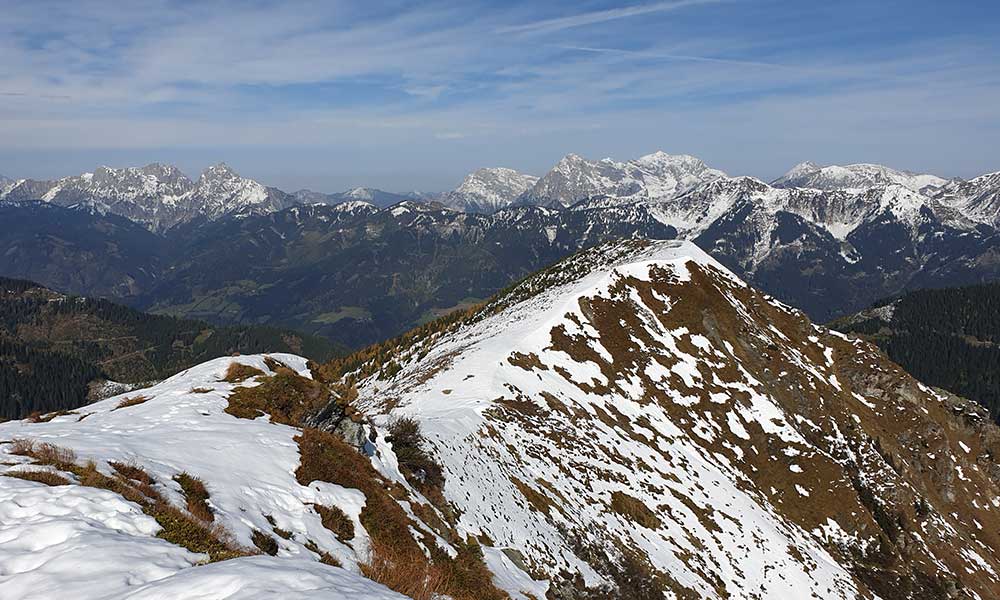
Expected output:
(412, 95)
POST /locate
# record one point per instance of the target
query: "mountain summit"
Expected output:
(640, 397)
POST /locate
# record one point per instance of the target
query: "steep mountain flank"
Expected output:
(637, 422)
(948, 338)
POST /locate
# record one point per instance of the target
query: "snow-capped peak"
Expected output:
(489, 189)
(854, 177)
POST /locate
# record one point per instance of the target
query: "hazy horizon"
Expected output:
(409, 96)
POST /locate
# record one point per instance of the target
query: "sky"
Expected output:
(413, 95)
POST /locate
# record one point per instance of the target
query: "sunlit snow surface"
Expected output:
(79, 542)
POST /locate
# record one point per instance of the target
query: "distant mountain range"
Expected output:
(364, 264)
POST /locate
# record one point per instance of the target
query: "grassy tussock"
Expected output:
(195, 496)
(131, 471)
(46, 477)
(336, 521)
(634, 509)
(37, 417)
(133, 401)
(265, 543)
(44, 453)
(287, 396)
(238, 373)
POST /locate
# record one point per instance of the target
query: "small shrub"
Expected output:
(133, 401)
(265, 543)
(196, 496)
(238, 373)
(46, 477)
(416, 464)
(200, 390)
(336, 521)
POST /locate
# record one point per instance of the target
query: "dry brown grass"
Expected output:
(131, 470)
(274, 364)
(133, 401)
(46, 477)
(397, 560)
(44, 453)
(634, 509)
(287, 396)
(336, 521)
(407, 573)
(200, 390)
(238, 373)
(282, 533)
(196, 496)
(37, 417)
(265, 543)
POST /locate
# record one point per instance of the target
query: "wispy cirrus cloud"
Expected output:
(340, 87)
(601, 16)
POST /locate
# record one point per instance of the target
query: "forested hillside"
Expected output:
(54, 348)
(949, 338)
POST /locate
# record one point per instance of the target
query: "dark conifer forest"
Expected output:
(949, 338)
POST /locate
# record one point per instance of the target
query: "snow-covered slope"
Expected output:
(978, 198)
(488, 190)
(636, 409)
(264, 478)
(84, 542)
(857, 176)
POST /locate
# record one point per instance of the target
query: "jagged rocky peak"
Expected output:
(855, 176)
(656, 176)
(489, 189)
(977, 198)
(638, 413)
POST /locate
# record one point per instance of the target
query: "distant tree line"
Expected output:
(52, 346)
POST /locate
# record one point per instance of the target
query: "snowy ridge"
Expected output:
(857, 176)
(977, 199)
(639, 396)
